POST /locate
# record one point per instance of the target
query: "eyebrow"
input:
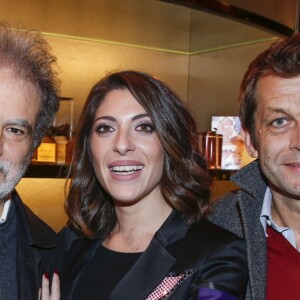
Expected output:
(276, 110)
(20, 123)
(134, 118)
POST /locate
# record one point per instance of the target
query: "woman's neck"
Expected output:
(137, 224)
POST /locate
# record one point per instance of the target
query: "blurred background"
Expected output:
(200, 48)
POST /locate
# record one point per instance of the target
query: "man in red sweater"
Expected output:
(266, 209)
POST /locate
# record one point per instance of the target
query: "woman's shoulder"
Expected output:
(207, 246)
(202, 235)
(68, 236)
(213, 234)
(220, 257)
(68, 232)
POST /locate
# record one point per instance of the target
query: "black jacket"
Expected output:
(201, 255)
(36, 246)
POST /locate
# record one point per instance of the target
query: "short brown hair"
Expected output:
(281, 59)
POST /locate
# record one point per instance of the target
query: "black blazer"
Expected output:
(36, 250)
(184, 260)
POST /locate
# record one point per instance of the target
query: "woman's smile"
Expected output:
(125, 169)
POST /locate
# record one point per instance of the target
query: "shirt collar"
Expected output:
(5, 210)
(266, 214)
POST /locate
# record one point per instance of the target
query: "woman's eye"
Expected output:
(145, 127)
(280, 122)
(104, 128)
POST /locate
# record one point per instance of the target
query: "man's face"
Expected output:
(19, 107)
(277, 133)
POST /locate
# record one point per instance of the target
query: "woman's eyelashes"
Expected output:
(145, 127)
(104, 128)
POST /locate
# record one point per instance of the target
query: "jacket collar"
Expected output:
(154, 264)
(251, 179)
(173, 229)
(37, 233)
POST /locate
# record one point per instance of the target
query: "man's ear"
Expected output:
(248, 143)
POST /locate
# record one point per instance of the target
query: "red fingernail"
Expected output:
(56, 271)
(46, 275)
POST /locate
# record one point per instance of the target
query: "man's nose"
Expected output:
(1, 143)
(123, 142)
(295, 138)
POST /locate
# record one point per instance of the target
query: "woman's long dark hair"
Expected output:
(185, 183)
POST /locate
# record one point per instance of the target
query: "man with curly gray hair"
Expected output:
(28, 102)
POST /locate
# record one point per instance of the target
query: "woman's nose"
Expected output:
(123, 142)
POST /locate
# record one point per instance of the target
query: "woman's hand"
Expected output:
(45, 293)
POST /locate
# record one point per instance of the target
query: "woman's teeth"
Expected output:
(126, 169)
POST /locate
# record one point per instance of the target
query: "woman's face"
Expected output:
(127, 154)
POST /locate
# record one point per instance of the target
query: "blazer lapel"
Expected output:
(154, 264)
(146, 274)
(80, 258)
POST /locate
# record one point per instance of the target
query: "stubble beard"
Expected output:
(11, 174)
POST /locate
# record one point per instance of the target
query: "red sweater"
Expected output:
(283, 271)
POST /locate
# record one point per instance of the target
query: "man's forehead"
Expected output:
(278, 88)
(19, 99)
(12, 73)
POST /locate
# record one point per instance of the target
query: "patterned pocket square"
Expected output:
(165, 287)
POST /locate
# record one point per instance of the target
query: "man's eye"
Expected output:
(279, 122)
(16, 131)
(145, 127)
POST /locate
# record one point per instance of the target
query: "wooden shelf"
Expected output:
(36, 170)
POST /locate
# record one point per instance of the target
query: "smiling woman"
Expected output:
(127, 154)
(137, 203)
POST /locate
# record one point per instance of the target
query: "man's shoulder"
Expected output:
(234, 208)
(249, 194)
(226, 212)
(33, 228)
(227, 203)
(39, 224)
(230, 198)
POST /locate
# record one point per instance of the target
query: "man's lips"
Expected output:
(293, 164)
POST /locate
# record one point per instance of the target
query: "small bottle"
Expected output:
(61, 143)
(46, 152)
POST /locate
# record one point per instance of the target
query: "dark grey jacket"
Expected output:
(36, 246)
(239, 212)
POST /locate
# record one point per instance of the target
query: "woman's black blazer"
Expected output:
(201, 261)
